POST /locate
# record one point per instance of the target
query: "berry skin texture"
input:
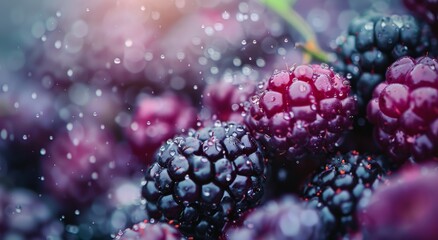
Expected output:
(205, 179)
(150, 231)
(156, 120)
(372, 43)
(338, 187)
(285, 219)
(404, 110)
(405, 208)
(301, 113)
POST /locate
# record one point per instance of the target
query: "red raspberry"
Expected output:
(404, 110)
(301, 113)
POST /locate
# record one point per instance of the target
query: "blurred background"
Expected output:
(73, 72)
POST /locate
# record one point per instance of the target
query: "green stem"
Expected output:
(316, 54)
(284, 9)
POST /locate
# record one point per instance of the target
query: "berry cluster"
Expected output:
(201, 120)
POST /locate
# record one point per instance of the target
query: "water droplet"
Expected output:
(369, 26)
(18, 209)
(228, 177)
(42, 151)
(225, 15)
(117, 60)
(172, 153)
(4, 134)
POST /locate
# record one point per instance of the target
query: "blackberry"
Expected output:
(339, 185)
(205, 179)
(156, 120)
(150, 231)
(301, 113)
(405, 208)
(372, 43)
(426, 10)
(404, 110)
(285, 219)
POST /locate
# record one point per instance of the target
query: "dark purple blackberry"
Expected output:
(205, 179)
(157, 119)
(150, 231)
(372, 43)
(339, 185)
(405, 208)
(426, 10)
(285, 219)
(301, 113)
(404, 110)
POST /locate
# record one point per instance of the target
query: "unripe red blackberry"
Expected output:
(224, 100)
(404, 110)
(157, 119)
(203, 180)
(301, 113)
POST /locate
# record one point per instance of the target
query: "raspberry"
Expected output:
(80, 164)
(149, 231)
(225, 99)
(205, 179)
(301, 113)
(372, 43)
(286, 219)
(25, 215)
(426, 10)
(405, 208)
(339, 185)
(156, 120)
(404, 110)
